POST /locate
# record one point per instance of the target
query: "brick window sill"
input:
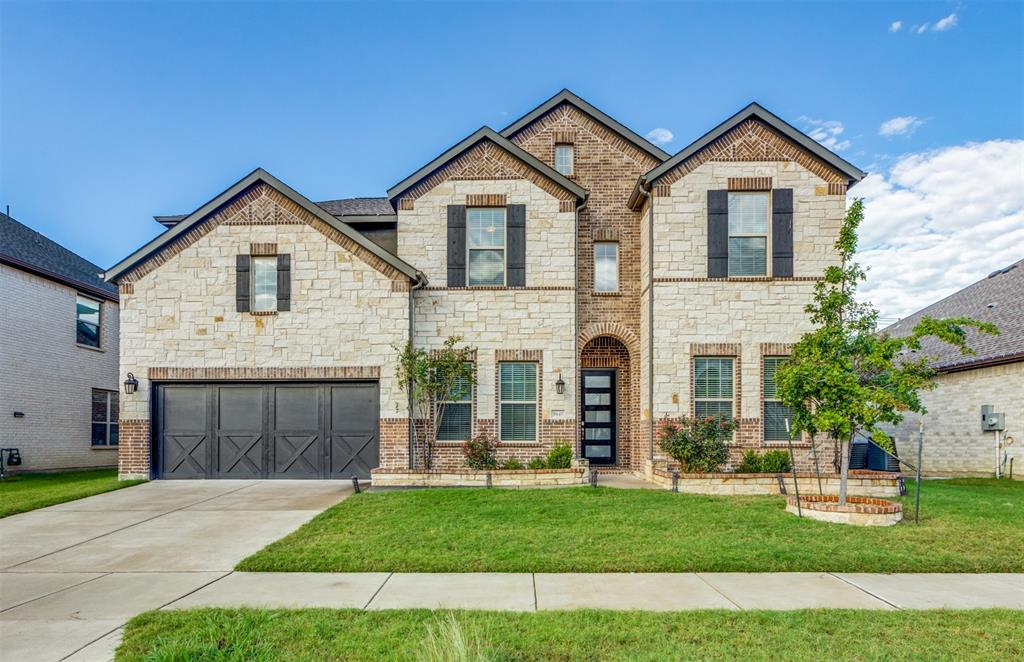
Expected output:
(607, 294)
(519, 444)
(109, 447)
(263, 313)
(783, 444)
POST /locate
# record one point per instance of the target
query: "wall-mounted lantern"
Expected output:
(560, 385)
(131, 384)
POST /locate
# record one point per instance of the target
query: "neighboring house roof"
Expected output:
(258, 175)
(480, 135)
(752, 111)
(998, 299)
(566, 96)
(24, 248)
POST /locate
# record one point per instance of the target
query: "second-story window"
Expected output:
(606, 266)
(563, 159)
(748, 234)
(485, 241)
(264, 283)
(87, 317)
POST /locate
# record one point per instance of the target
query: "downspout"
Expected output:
(645, 190)
(577, 374)
(421, 281)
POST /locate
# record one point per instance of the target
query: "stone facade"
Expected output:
(954, 444)
(49, 378)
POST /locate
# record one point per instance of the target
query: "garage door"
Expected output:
(267, 430)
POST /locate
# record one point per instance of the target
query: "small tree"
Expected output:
(845, 378)
(434, 378)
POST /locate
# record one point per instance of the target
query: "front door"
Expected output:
(599, 430)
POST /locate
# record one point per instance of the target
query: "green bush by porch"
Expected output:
(967, 525)
(21, 493)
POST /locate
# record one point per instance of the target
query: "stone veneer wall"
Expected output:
(344, 314)
(954, 444)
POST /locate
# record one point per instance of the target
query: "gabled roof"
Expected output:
(998, 299)
(358, 207)
(566, 96)
(257, 175)
(480, 135)
(755, 111)
(24, 248)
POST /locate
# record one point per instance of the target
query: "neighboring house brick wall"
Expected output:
(46, 375)
(954, 444)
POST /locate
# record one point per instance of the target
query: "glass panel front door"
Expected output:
(599, 429)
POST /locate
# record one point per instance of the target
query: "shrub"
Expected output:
(560, 457)
(537, 463)
(479, 452)
(771, 462)
(697, 444)
(512, 464)
(750, 464)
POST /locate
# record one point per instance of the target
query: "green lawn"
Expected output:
(324, 634)
(968, 525)
(23, 492)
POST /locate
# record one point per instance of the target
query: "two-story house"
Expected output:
(605, 285)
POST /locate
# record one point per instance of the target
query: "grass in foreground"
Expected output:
(968, 525)
(323, 634)
(23, 492)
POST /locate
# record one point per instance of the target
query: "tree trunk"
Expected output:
(844, 470)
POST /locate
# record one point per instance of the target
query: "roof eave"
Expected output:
(73, 283)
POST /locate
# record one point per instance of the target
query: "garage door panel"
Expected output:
(239, 434)
(355, 439)
(298, 431)
(183, 452)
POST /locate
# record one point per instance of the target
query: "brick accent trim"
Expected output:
(740, 279)
(830, 503)
(606, 234)
(662, 191)
(837, 188)
(133, 447)
(566, 206)
(564, 137)
(486, 200)
(126, 288)
(406, 204)
(221, 374)
(750, 183)
(263, 249)
(776, 348)
(616, 330)
(560, 288)
(715, 349)
(536, 355)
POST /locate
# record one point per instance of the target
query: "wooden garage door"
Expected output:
(267, 430)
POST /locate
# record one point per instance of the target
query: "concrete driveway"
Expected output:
(72, 574)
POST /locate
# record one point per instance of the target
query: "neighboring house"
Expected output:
(954, 443)
(599, 278)
(58, 360)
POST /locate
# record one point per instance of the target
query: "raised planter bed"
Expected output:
(469, 478)
(859, 511)
(861, 483)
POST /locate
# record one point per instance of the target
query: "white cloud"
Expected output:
(920, 29)
(904, 125)
(939, 221)
(895, 26)
(659, 136)
(944, 24)
(826, 132)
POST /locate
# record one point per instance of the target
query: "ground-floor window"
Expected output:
(517, 386)
(457, 413)
(713, 386)
(775, 413)
(104, 417)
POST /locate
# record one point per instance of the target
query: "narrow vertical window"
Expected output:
(485, 242)
(564, 159)
(87, 314)
(713, 387)
(748, 234)
(518, 401)
(104, 418)
(264, 283)
(606, 266)
(775, 413)
(457, 413)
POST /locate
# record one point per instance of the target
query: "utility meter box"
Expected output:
(990, 420)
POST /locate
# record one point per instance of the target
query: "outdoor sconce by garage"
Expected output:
(131, 384)
(560, 385)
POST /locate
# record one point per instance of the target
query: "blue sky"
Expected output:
(113, 112)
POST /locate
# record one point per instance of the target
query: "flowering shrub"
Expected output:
(697, 444)
(479, 452)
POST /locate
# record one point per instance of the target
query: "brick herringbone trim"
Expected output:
(406, 204)
(486, 200)
(753, 140)
(662, 191)
(126, 288)
(739, 279)
(260, 204)
(750, 183)
(837, 188)
(518, 355)
(566, 205)
(211, 374)
(486, 161)
(263, 248)
(615, 330)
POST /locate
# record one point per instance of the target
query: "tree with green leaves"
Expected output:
(435, 378)
(845, 378)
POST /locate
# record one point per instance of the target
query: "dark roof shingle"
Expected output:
(358, 207)
(998, 299)
(26, 249)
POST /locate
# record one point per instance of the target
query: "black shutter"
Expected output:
(284, 282)
(515, 235)
(242, 283)
(782, 232)
(718, 234)
(456, 245)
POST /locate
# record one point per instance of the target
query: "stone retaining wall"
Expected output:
(468, 478)
(858, 511)
(861, 483)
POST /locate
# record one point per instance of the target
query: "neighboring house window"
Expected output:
(563, 159)
(264, 283)
(88, 318)
(748, 234)
(775, 413)
(485, 240)
(104, 418)
(713, 387)
(457, 414)
(606, 266)
(518, 397)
